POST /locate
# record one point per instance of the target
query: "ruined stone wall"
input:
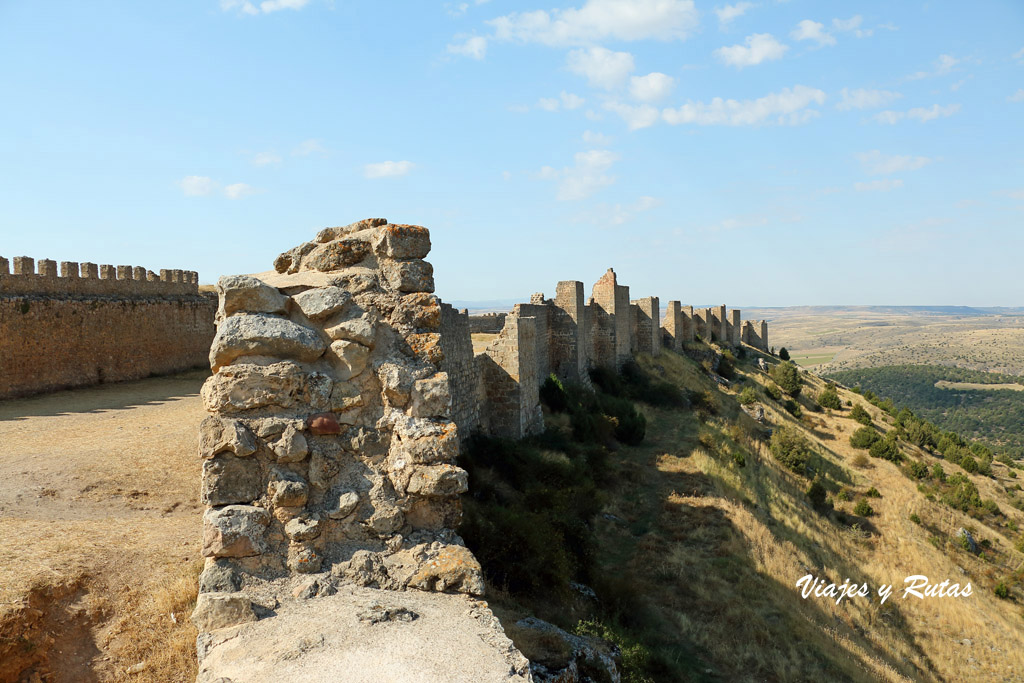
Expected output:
(329, 455)
(647, 329)
(568, 334)
(511, 381)
(735, 327)
(488, 323)
(462, 369)
(755, 335)
(90, 325)
(672, 326)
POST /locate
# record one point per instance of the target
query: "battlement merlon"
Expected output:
(88, 279)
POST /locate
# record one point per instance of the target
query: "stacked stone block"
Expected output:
(329, 455)
(568, 334)
(511, 379)
(647, 330)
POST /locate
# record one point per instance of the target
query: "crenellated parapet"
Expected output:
(22, 275)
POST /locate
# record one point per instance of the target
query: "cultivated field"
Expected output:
(827, 339)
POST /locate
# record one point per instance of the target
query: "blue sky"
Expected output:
(756, 153)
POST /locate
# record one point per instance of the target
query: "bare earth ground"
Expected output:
(827, 339)
(100, 529)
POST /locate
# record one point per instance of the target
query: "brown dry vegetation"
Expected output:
(864, 337)
(714, 550)
(99, 532)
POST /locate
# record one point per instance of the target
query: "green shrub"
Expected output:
(863, 509)
(917, 470)
(791, 448)
(552, 394)
(990, 506)
(793, 408)
(864, 437)
(829, 398)
(844, 494)
(787, 376)
(872, 493)
(969, 464)
(858, 414)
(1002, 590)
(748, 396)
(887, 449)
(962, 494)
(773, 391)
(817, 494)
(860, 460)
(783, 353)
(938, 474)
(915, 518)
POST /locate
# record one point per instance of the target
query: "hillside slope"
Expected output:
(700, 535)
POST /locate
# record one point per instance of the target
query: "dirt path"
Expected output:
(99, 519)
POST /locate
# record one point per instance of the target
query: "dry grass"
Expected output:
(726, 543)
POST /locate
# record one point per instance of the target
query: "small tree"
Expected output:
(787, 376)
(863, 508)
(791, 448)
(858, 414)
(783, 353)
(829, 398)
(817, 494)
(865, 437)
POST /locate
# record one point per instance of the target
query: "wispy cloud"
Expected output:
(651, 88)
(636, 116)
(599, 20)
(602, 67)
(565, 100)
(266, 7)
(615, 215)
(790, 106)
(878, 185)
(585, 177)
(308, 147)
(265, 159)
(729, 12)
(812, 30)
(865, 99)
(1019, 55)
(852, 25)
(596, 139)
(760, 47)
(921, 114)
(387, 169)
(204, 186)
(943, 65)
(474, 47)
(1017, 96)
(876, 163)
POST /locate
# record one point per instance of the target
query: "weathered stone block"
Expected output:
(402, 242)
(331, 234)
(426, 346)
(409, 276)
(289, 261)
(217, 435)
(291, 447)
(303, 558)
(431, 397)
(288, 493)
(341, 504)
(359, 328)
(234, 531)
(438, 480)
(452, 569)
(349, 357)
(248, 294)
(418, 310)
(244, 386)
(228, 479)
(323, 302)
(303, 528)
(336, 255)
(258, 334)
(221, 610)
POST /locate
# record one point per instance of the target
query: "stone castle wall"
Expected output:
(91, 324)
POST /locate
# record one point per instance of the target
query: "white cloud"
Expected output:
(599, 20)
(474, 47)
(876, 163)
(266, 7)
(601, 67)
(760, 47)
(505, 175)
(812, 30)
(570, 100)
(238, 191)
(614, 215)
(548, 103)
(596, 139)
(943, 65)
(198, 185)
(566, 100)
(729, 12)
(387, 169)
(788, 106)
(1012, 194)
(1017, 96)
(866, 99)
(1019, 54)
(635, 116)
(878, 185)
(586, 177)
(922, 114)
(853, 24)
(652, 87)
(265, 159)
(307, 147)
